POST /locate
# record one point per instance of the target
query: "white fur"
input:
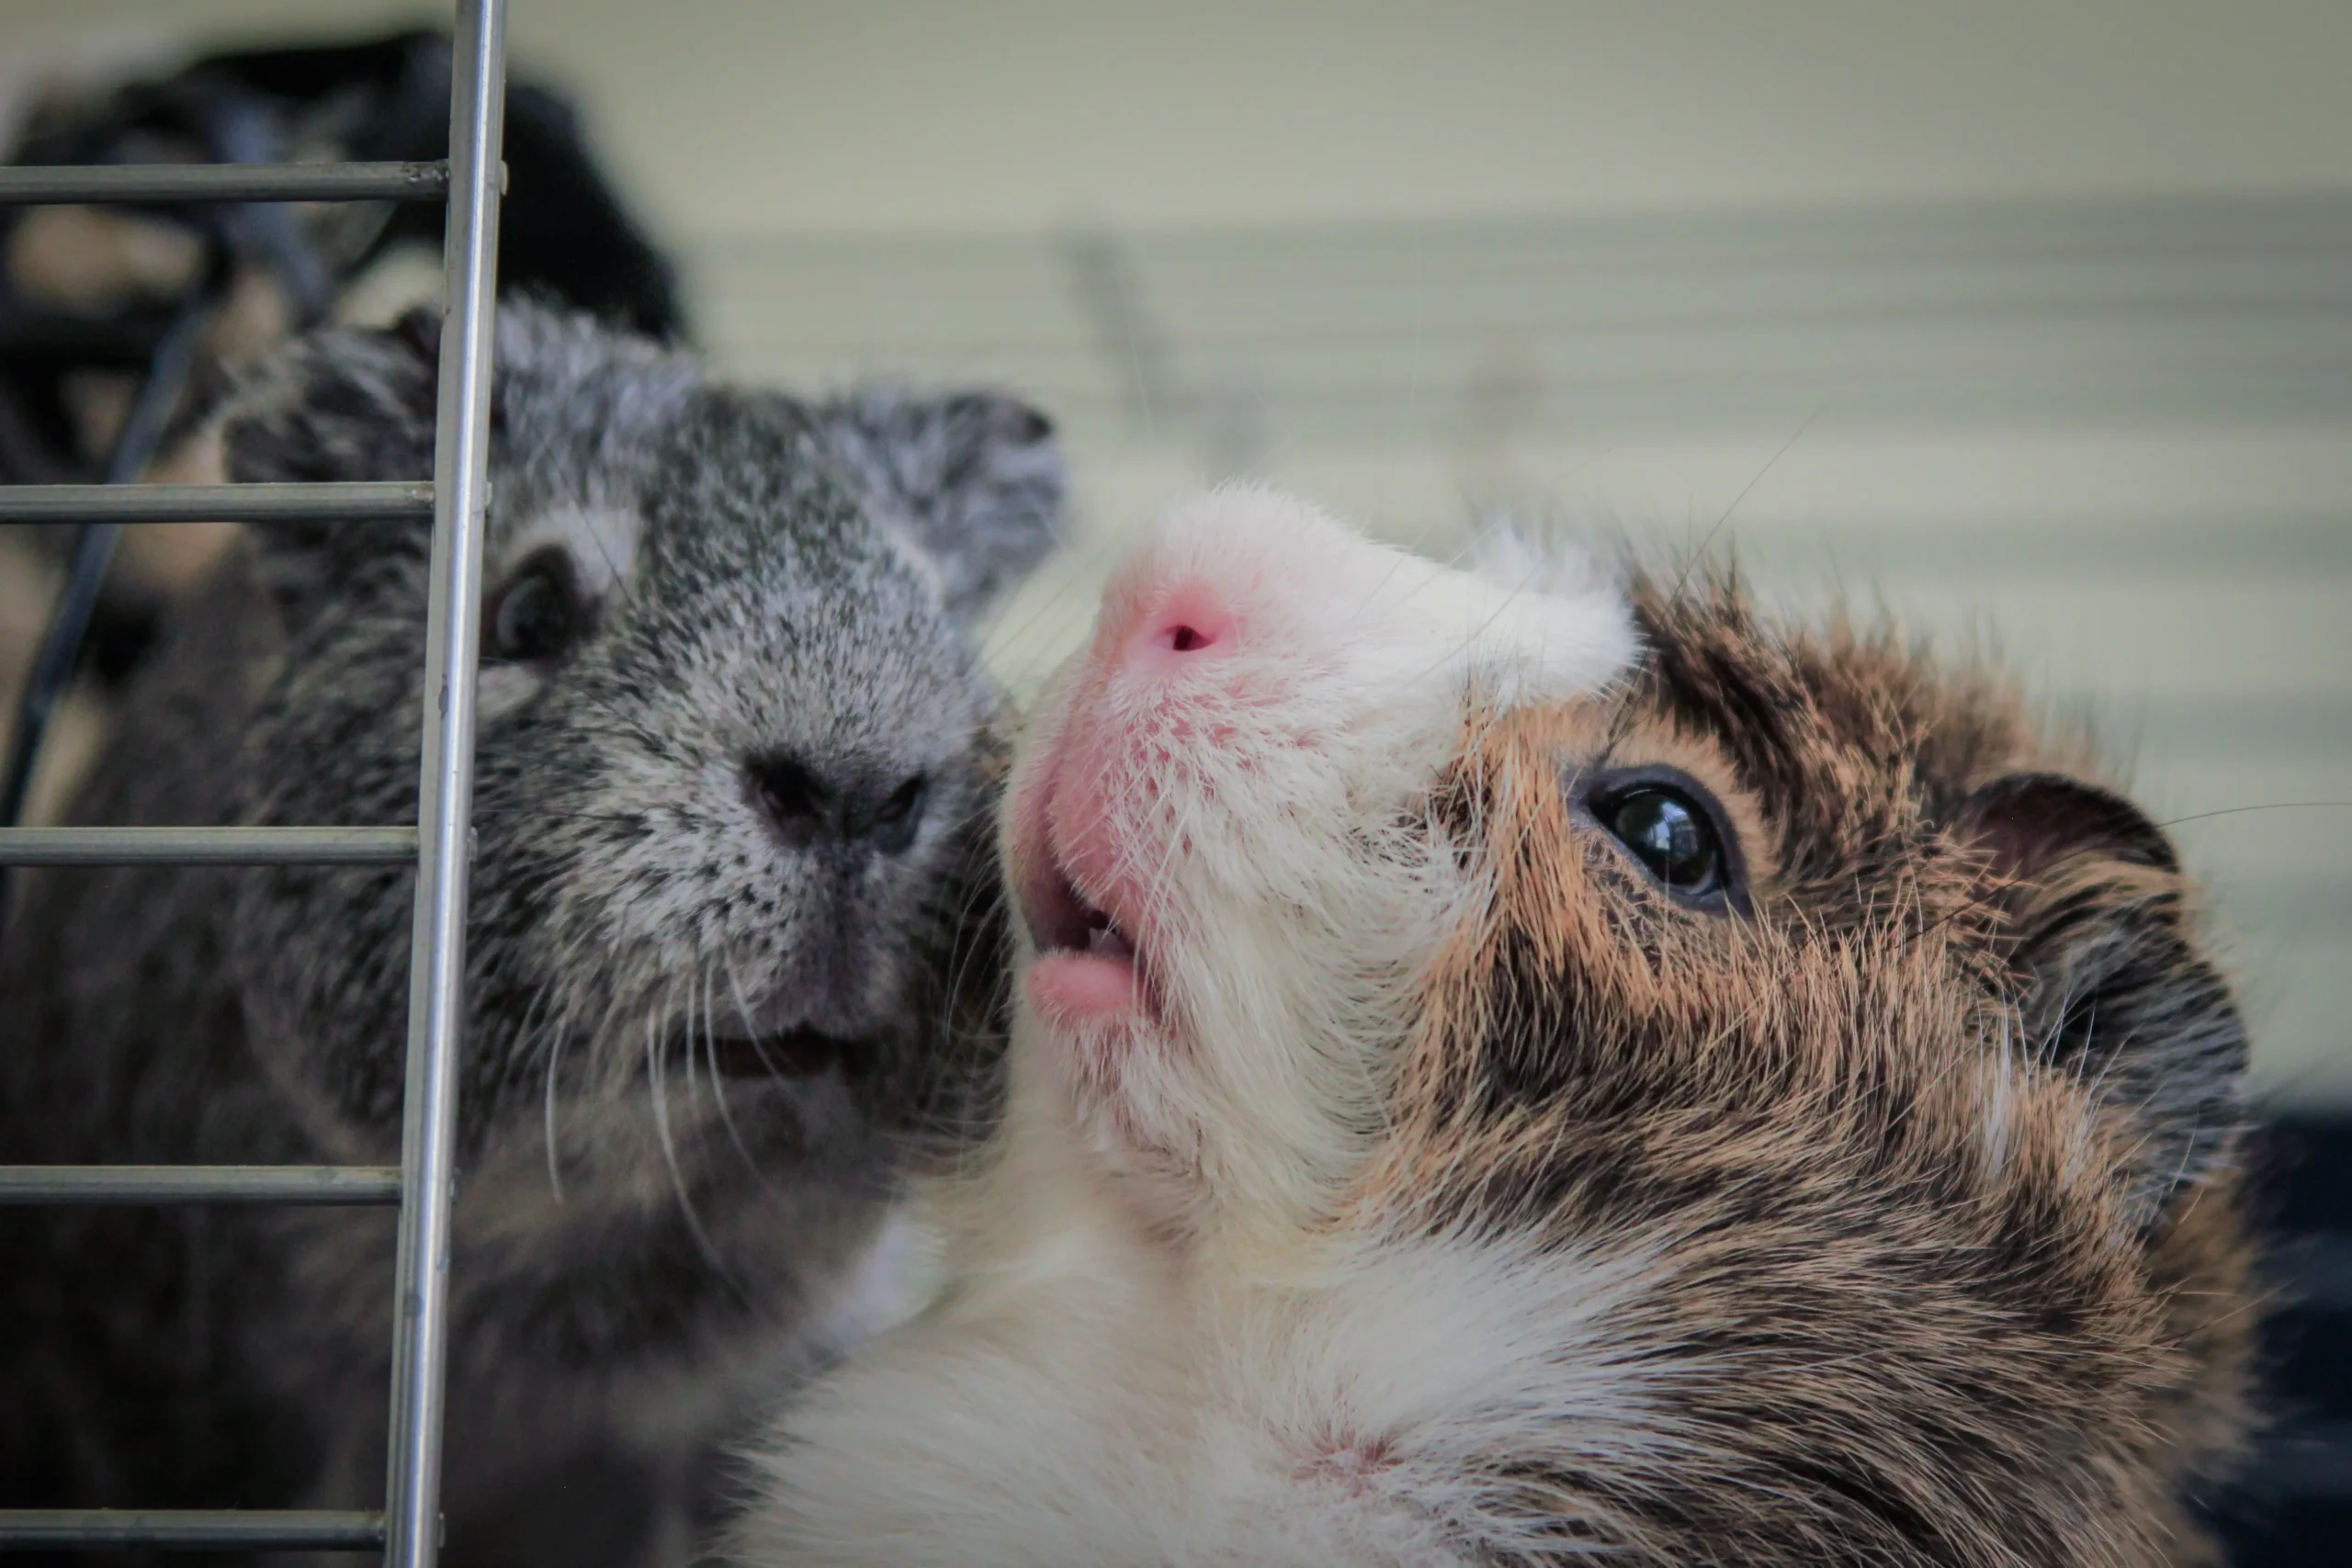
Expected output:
(602, 541)
(1157, 1345)
(1114, 1406)
(1297, 884)
(897, 1277)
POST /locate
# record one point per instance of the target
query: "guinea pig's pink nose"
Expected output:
(1180, 628)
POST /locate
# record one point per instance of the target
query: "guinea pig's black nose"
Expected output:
(806, 807)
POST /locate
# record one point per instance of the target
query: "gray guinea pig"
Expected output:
(732, 956)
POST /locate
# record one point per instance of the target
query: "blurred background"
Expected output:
(2029, 322)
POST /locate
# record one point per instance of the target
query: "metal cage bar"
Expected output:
(471, 180)
(321, 1185)
(192, 1529)
(348, 502)
(444, 793)
(206, 846)
(58, 185)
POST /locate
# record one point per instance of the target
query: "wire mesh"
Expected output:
(226, 182)
(361, 503)
(471, 180)
(323, 1185)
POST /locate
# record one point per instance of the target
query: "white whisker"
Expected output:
(655, 1048)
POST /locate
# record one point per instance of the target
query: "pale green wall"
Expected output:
(2162, 433)
(992, 114)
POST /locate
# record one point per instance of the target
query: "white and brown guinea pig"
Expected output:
(1516, 1068)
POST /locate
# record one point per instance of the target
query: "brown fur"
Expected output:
(1455, 1193)
(1957, 1272)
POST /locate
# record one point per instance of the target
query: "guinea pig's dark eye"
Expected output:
(538, 614)
(1677, 832)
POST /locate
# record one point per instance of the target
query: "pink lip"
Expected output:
(1088, 969)
(1070, 989)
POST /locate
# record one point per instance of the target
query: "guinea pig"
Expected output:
(1539, 1065)
(732, 954)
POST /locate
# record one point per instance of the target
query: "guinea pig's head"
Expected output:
(1763, 1016)
(736, 754)
(1228, 834)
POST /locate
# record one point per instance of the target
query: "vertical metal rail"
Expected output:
(444, 797)
(472, 181)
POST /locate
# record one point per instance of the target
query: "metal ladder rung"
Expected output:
(206, 846)
(471, 180)
(35, 183)
(193, 1530)
(321, 1185)
(363, 501)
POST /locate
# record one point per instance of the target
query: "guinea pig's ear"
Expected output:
(339, 405)
(2113, 986)
(333, 406)
(974, 480)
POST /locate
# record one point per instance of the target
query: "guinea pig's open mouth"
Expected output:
(781, 1054)
(1085, 964)
(1063, 922)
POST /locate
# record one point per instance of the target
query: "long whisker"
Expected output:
(750, 1030)
(956, 922)
(718, 1079)
(654, 1051)
(2240, 810)
(1770, 463)
(687, 1058)
(555, 1048)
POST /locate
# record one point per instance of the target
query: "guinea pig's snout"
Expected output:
(806, 808)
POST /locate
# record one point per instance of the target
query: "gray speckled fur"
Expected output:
(636, 1256)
